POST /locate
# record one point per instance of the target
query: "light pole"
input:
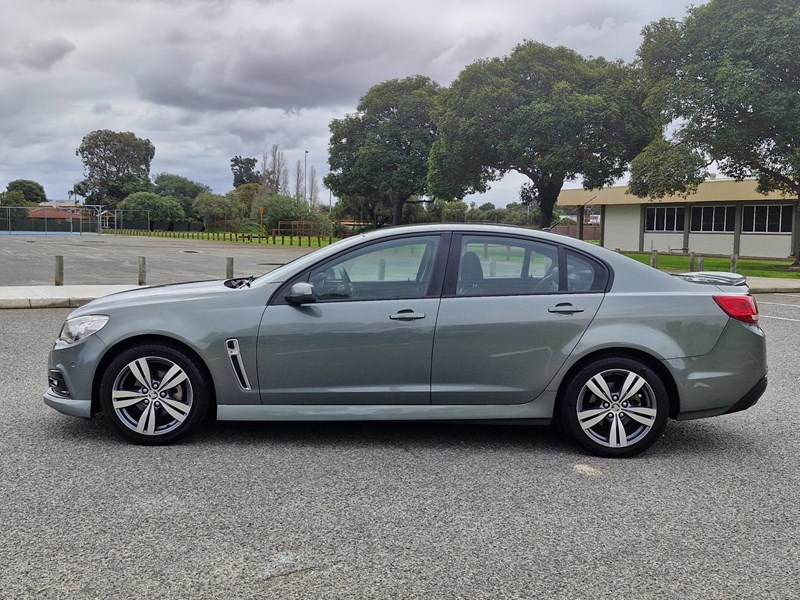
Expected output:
(305, 178)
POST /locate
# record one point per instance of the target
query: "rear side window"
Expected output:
(503, 266)
(585, 274)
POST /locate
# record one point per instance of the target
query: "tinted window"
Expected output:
(387, 270)
(584, 274)
(499, 266)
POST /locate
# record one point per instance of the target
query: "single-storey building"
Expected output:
(723, 217)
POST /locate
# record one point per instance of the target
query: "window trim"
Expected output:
(780, 208)
(454, 258)
(655, 218)
(434, 286)
(714, 208)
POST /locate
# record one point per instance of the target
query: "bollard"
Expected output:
(229, 269)
(700, 262)
(691, 261)
(59, 270)
(382, 269)
(493, 267)
(142, 271)
(734, 262)
(654, 259)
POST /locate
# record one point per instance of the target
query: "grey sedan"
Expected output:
(441, 322)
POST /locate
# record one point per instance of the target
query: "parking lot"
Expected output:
(395, 510)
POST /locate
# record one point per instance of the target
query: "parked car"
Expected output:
(441, 322)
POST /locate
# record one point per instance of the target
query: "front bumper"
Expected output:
(68, 406)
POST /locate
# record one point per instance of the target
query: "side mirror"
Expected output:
(301, 293)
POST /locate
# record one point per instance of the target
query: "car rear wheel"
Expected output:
(154, 394)
(615, 407)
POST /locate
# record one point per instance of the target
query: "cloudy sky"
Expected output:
(206, 80)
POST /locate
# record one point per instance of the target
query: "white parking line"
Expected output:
(779, 304)
(778, 318)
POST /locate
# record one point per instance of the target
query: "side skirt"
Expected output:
(540, 411)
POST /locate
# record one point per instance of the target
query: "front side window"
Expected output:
(393, 269)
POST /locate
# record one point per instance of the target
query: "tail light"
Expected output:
(740, 307)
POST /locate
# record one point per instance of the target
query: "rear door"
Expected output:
(512, 311)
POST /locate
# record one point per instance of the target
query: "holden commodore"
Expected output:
(434, 322)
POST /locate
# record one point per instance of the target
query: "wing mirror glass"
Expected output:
(301, 293)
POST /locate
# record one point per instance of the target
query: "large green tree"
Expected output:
(113, 163)
(381, 151)
(158, 208)
(214, 209)
(547, 113)
(31, 190)
(727, 78)
(182, 189)
(244, 170)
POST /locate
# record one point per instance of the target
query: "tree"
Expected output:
(159, 208)
(727, 78)
(32, 191)
(182, 189)
(247, 198)
(381, 151)
(313, 188)
(109, 157)
(547, 113)
(299, 180)
(212, 208)
(244, 170)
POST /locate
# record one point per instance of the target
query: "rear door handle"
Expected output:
(565, 308)
(407, 315)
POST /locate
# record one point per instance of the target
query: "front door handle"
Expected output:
(407, 315)
(565, 308)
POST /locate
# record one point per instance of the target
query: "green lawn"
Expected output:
(746, 267)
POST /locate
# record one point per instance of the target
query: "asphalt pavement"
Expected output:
(395, 510)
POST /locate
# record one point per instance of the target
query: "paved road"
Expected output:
(93, 259)
(395, 510)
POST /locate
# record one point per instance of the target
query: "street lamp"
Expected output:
(305, 178)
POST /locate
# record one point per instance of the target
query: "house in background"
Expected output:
(723, 217)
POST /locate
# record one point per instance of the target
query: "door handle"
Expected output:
(565, 308)
(407, 315)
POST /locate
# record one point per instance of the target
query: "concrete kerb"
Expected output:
(72, 296)
(50, 296)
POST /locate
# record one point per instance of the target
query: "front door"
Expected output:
(368, 339)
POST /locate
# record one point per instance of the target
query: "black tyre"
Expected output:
(154, 394)
(615, 407)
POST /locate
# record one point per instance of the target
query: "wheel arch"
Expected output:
(648, 359)
(127, 343)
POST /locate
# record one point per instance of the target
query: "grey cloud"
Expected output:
(101, 107)
(43, 54)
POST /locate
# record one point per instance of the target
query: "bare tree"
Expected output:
(298, 180)
(313, 187)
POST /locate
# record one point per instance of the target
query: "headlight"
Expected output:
(74, 330)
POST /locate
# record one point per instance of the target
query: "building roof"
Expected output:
(714, 190)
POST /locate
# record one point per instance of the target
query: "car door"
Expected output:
(368, 337)
(512, 311)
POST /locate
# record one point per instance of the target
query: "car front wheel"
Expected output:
(154, 394)
(615, 407)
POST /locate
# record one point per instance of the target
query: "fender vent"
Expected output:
(237, 364)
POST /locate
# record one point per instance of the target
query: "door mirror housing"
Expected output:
(301, 293)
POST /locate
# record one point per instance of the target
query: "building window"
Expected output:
(664, 218)
(767, 219)
(713, 218)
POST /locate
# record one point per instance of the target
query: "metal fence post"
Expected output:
(229, 269)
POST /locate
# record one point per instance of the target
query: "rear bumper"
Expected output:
(712, 384)
(750, 398)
